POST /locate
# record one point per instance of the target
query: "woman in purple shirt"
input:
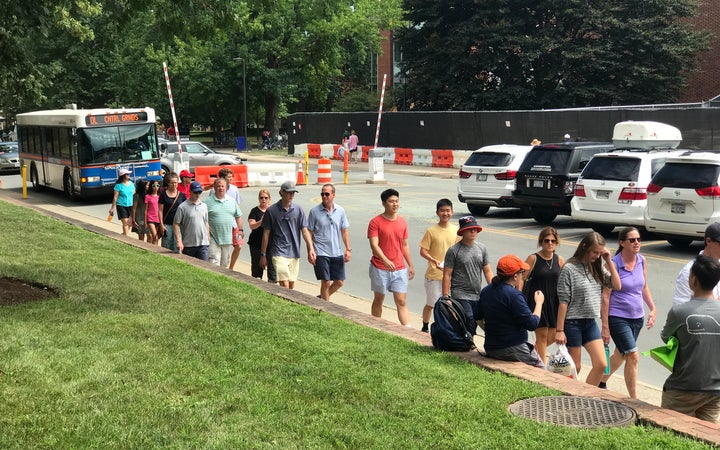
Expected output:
(622, 310)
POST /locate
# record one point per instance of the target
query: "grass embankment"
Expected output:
(143, 351)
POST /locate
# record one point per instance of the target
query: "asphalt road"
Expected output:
(504, 231)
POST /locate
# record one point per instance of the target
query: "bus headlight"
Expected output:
(90, 180)
(153, 173)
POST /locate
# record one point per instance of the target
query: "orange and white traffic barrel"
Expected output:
(324, 171)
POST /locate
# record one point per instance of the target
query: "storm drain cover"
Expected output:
(581, 412)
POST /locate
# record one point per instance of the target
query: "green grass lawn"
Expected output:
(143, 351)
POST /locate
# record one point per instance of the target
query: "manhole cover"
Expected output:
(581, 412)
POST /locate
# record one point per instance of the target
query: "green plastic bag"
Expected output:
(665, 355)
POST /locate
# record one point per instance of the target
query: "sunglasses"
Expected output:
(549, 241)
(633, 240)
(325, 194)
(155, 185)
(264, 198)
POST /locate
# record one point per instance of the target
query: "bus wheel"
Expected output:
(35, 179)
(69, 186)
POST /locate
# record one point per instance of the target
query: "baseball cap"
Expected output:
(196, 187)
(124, 172)
(288, 186)
(713, 231)
(468, 223)
(510, 265)
(185, 173)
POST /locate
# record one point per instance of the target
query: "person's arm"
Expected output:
(526, 319)
(560, 331)
(683, 293)
(239, 223)
(647, 298)
(530, 261)
(310, 247)
(161, 215)
(408, 259)
(263, 248)
(426, 254)
(604, 312)
(133, 213)
(114, 202)
(446, 281)
(564, 291)
(254, 224)
(146, 214)
(614, 277)
(345, 232)
(487, 271)
(378, 253)
(178, 237)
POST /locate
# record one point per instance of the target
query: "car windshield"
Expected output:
(546, 160)
(612, 169)
(687, 175)
(489, 159)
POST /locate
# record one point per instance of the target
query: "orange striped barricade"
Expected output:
(363, 149)
(324, 171)
(442, 158)
(403, 156)
(314, 150)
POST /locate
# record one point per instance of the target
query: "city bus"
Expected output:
(81, 151)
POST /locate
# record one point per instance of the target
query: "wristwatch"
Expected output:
(263, 254)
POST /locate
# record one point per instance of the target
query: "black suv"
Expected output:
(546, 179)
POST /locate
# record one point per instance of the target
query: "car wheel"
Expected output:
(69, 187)
(35, 179)
(543, 216)
(604, 230)
(680, 242)
(477, 210)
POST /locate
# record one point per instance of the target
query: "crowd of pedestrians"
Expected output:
(561, 301)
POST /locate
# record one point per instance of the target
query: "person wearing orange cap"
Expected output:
(506, 315)
(465, 265)
(185, 179)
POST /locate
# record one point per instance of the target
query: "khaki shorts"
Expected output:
(286, 269)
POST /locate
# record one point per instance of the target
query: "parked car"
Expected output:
(684, 197)
(197, 154)
(545, 181)
(9, 157)
(612, 188)
(488, 177)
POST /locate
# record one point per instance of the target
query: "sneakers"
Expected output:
(602, 385)
(424, 330)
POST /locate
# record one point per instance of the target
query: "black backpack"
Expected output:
(449, 332)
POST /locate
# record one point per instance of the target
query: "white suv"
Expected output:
(684, 197)
(612, 188)
(488, 177)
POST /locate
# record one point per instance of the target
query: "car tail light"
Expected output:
(630, 194)
(463, 174)
(569, 187)
(579, 189)
(507, 175)
(653, 188)
(709, 192)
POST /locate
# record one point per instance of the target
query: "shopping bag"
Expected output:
(561, 362)
(665, 354)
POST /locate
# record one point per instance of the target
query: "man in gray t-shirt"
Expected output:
(465, 264)
(190, 225)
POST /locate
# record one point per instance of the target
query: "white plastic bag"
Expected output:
(561, 362)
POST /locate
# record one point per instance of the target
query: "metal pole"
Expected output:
(244, 107)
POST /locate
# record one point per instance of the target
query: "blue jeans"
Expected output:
(624, 333)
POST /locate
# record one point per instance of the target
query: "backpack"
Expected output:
(449, 331)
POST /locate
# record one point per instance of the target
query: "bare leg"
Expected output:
(234, 256)
(596, 350)
(540, 342)
(575, 354)
(285, 284)
(631, 373)
(329, 287)
(427, 312)
(402, 309)
(377, 304)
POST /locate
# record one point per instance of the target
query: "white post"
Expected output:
(177, 165)
(376, 170)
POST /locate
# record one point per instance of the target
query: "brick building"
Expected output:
(702, 85)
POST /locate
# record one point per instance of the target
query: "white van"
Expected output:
(684, 197)
(612, 188)
(488, 177)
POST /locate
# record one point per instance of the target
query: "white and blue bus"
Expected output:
(81, 151)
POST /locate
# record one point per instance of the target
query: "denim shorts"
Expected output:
(382, 281)
(624, 333)
(330, 268)
(579, 332)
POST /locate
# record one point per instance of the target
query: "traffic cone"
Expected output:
(301, 174)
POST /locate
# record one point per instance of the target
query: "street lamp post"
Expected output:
(244, 117)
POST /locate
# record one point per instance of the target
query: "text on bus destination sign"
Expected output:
(115, 118)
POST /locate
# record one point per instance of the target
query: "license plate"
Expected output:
(677, 208)
(538, 184)
(603, 194)
(481, 177)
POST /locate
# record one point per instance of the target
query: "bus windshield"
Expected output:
(107, 145)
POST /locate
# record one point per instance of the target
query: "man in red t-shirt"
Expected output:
(388, 235)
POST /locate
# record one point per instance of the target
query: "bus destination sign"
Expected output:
(115, 118)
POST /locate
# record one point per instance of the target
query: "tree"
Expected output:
(514, 54)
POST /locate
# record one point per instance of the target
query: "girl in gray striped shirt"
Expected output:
(580, 293)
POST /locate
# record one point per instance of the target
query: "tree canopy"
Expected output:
(514, 54)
